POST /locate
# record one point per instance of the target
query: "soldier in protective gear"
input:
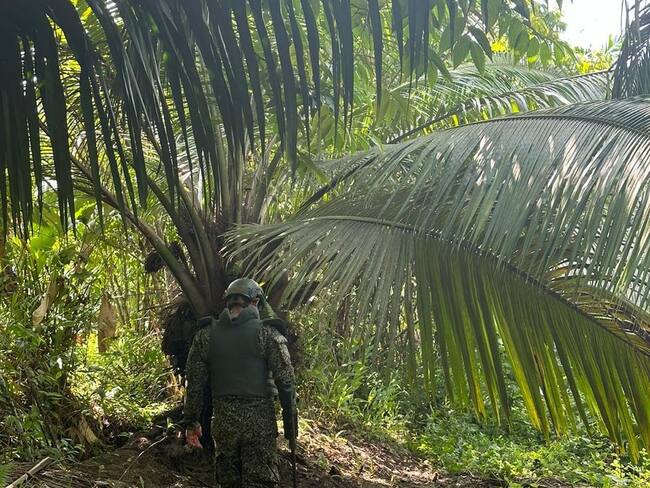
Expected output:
(237, 352)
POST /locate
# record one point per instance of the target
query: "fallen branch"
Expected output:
(140, 455)
(30, 474)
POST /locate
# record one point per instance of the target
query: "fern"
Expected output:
(5, 470)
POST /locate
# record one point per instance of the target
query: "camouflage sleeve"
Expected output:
(279, 362)
(197, 375)
(277, 356)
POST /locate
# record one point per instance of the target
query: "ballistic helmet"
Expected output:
(246, 288)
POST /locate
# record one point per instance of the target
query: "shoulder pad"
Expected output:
(202, 336)
(277, 324)
(274, 334)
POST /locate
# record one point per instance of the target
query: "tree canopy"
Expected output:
(162, 73)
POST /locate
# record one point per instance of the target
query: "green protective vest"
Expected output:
(236, 366)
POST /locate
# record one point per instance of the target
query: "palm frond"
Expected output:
(529, 231)
(483, 104)
(152, 66)
(470, 96)
(632, 68)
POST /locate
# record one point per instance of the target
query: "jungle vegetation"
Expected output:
(448, 202)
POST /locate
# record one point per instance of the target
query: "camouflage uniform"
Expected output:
(244, 429)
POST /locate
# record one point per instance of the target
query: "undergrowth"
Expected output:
(59, 396)
(341, 385)
(455, 441)
(127, 385)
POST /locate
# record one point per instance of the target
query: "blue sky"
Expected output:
(590, 22)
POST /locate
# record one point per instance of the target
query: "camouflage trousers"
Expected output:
(245, 432)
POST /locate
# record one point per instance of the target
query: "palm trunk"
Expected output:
(188, 283)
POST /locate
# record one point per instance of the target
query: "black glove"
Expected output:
(287, 396)
(290, 422)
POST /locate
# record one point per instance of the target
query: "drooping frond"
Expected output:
(482, 103)
(222, 69)
(529, 231)
(632, 68)
(467, 94)
(470, 96)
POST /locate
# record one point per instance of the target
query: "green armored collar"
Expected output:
(249, 313)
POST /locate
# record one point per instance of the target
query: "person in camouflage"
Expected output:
(237, 354)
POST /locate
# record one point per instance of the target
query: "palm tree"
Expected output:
(525, 234)
(201, 108)
(193, 106)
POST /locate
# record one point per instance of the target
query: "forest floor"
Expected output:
(327, 458)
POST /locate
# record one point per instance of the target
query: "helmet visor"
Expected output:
(237, 300)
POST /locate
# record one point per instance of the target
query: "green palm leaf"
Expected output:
(631, 71)
(133, 55)
(530, 231)
(478, 102)
(472, 96)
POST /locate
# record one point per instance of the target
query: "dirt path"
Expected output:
(326, 459)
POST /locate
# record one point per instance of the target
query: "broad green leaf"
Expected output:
(515, 29)
(521, 44)
(490, 10)
(482, 39)
(461, 50)
(478, 56)
(445, 40)
(545, 53)
(533, 47)
(440, 64)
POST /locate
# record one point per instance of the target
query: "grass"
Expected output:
(349, 393)
(456, 442)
